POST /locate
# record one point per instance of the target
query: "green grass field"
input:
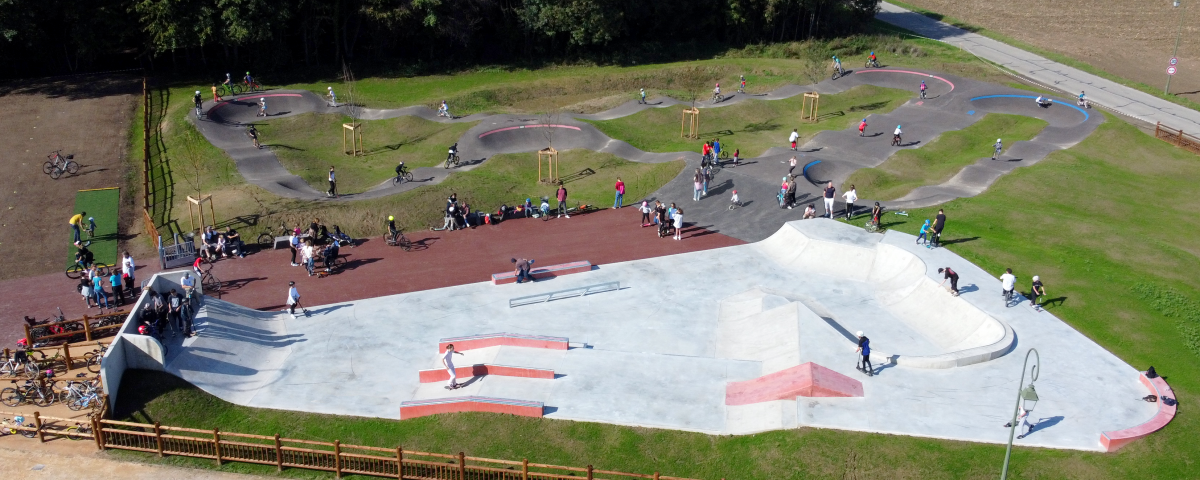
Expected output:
(752, 126)
(101, 204)
(942, 158)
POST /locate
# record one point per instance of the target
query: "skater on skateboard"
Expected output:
(1035, 291)
(1022, 419)
(864, 347)
(952, 277)
(448, 362)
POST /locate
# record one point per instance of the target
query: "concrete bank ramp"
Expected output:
(901, 284)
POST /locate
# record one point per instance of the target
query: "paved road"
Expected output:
(1103, 92)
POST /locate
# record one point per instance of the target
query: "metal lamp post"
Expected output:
(1178, 33)
(1026, 396)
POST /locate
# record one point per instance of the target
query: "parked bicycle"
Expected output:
(78, 431)
(19, 365)
(18, 421)
(92, 358)
(58, 164)
(80, 395)
(267, 239)
(32, 392)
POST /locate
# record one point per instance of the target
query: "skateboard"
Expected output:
(456, 387)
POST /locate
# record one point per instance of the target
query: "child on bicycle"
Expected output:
(733, 201)
(198, 101)
(91, 228)
(332, 98)
(262, 107)
(743, 89)
(249, 81)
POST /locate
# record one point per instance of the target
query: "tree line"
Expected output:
(49, 37)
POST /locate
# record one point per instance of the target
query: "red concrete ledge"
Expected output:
(472, 342)
(544, 272)
(806, 380)
(1166, 411)
(441, 375)
(421, 408)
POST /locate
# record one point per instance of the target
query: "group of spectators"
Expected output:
(159, 311)
(316, 243)
(215, 244)
(668, 218)
(120, 282)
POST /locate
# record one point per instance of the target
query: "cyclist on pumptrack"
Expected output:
(453, 151)
(249, 80)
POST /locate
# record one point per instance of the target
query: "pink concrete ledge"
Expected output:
(1166, 411)
(548, 271)
(441, 375)
(421, 408)
(806, 380)
(472, 342)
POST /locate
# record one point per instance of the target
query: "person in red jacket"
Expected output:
(620, 186)
(562, 201)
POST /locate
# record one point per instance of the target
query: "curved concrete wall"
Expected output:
(902, 287)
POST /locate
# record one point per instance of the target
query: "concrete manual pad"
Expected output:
(661, 351)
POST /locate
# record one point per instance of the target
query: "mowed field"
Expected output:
(1128, 38)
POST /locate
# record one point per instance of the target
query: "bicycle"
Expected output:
(871, 64)
(80, 395)
(407, 176)
(57, 165)
(76, 271)
(267, 239)
(718, 98)
(19, 365)
(78, 431)
(29, 392)
(18, 421)
(252, 87)
(229, 89)
(93, 358)
(449, 159)
(398, 239)
(838, 72)
(210, 283)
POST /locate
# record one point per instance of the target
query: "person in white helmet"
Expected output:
(198, 101)
(262, 107)
(996, 149)
(1036, 290)
(332, 97)
(896, 136)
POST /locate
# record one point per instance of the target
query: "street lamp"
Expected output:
(1178, 33)
(1027, 397)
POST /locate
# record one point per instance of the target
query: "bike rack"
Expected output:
(561, 294)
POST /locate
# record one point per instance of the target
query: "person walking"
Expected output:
(645, 209)
(996, 149)
(332, 97)
(829, 191)
(294, 244)
(678, 224)
(949, 274)
(924, 236)
(696, 184)
(707, 174)
(1008, 282)
(864, 347)
(523, 268)
(791, 164)
(792, 139)
(1022, 421)
(1036, 290)
(562, 201)
(76, 222)
(862, 128)
(448, 362)
(789, 195)
(332, 184)
(293, 299)
(850, 196)
(114, 282)
(620, 199)
(309, 256)
(643, 100)
(939, 224)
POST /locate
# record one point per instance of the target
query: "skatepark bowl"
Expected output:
(734, 340)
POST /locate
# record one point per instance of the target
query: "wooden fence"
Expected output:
(84, 329)
(60, 353)
(1176, 137)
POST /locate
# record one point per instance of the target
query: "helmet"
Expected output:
(1035, 278)
(187, 274)
(391, 218)
(718, 84)
(858, 333)
(91, 219)
(197, 92)
(226, 74)
(263, 99)
(291, 284)
(247, 73)
(872, 52)
(997, 140)
(897, 126)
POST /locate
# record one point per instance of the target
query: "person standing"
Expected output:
(293, 299)
(789, 196)
(850, 196)
(791, 164)
(864, 347)
(332, 184)
(294, 244)
(77, 226)
(620, 199)
(98, 291)
(862, 128)
(645, 212)
(707, 174)
(939, 223)
(562, 201)
(309, 256)
(996, 149)
(262, 107)
(678, 224)
(716, 150)
(127, 272)
(523, 267)
(448, 362)
(332, 97)
(175, 312)
(829, 191)
(950, 275)
(643, 100)
(792, 139)
(696, 183)
(1008, 282)
(114, 282)
(85, 289)
(216, 98)
(1036, 290)
(924, 236)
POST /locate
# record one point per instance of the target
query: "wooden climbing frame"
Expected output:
(552, 165)
(196, 211)
(355, 141)
(808, 111)
(692, 114)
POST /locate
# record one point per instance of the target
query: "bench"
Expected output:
(1166, 411)
(472, 342)
(441, 375)
(548, 271)
(421, 408)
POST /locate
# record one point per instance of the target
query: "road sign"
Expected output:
(1170, 70)
(1174, 61)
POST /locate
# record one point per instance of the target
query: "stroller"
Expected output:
(342, 237)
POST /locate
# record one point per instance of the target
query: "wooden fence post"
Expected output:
(525, 469)
(1179, 139)
(337, 458)
(37, 422)
(67, 355)
(655, 475)
(28, 337)
(87, 329)
(217, 445)
(278, 454)
(158, 438)
(97, 433)
(462, 466)
(400, 462)
(589, 472)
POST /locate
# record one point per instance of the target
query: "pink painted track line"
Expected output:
(908, 72)
(226, 102)
(498, 130)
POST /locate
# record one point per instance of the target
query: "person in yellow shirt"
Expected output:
(77, 225)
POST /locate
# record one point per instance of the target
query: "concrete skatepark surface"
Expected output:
(661, 351)
(952, 103)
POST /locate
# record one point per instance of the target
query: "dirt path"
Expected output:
(23, 459)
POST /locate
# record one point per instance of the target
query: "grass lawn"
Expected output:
(309, 144)
(752, 126)
(1107, 224)
(942, 158)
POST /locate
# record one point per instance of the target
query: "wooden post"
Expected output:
(67, 355)
(1179, 139)
(28, 338)
(589, 473)
(97, 434)
(217, 445)
(37, 422)
(400, 463)
(525, 469)
(87, 327)
(655, 475)
(462, 466)
(158, 438)
(337, 459)
(278, 454)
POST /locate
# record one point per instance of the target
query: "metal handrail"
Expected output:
(561, 294)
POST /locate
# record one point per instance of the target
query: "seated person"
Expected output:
(503, 211)
(465, 212)
(391, 226)
(233, 242)
(330, 254)
(810, 212)
(221, 245)
(528, 208)
(545, 207)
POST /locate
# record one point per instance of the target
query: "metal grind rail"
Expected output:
(561, 294)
